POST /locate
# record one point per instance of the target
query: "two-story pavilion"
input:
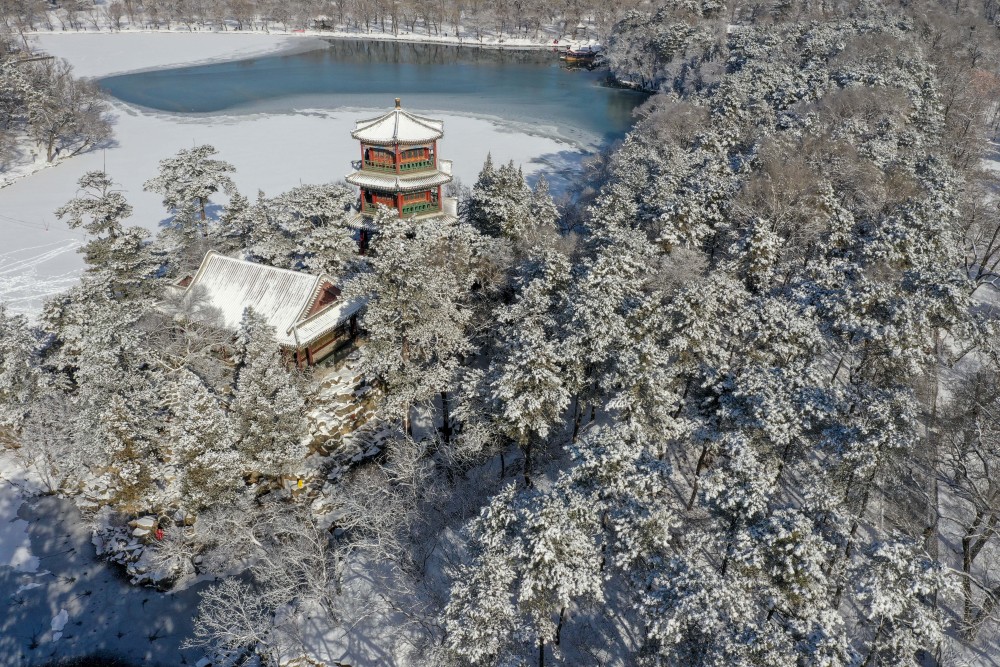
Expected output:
(399, 165)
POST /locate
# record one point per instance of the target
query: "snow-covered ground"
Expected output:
(96, 55)
(547, 37)
(271, 151)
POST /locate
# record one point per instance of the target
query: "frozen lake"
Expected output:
(528, 89)
(281, 109)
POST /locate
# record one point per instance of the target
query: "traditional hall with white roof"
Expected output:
(400, 169)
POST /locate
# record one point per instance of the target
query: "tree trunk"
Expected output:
(933, 503)
(559, 625)
(527, 464)
(577, 415)
(702, 464)
(541, 652)
(871, 652)
(445, 418)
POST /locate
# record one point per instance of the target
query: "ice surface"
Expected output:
(272, 152)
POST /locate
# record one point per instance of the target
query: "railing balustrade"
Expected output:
(373, 165)
(415, 166)
(420, 207)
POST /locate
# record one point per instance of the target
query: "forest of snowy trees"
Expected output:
(738, 404)
(533, 19)
(42, 105)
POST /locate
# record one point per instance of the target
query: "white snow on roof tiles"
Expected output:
(280, 296)
(316, 326)
(392, 183)
(398, 127)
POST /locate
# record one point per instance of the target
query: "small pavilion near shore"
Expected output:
(400, 167)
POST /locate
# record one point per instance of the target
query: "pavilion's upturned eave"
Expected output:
(398, 183)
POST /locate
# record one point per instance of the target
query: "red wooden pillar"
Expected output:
(396, 146)
(362, 156)
(399, 203)
(440, 201)
(435, 154)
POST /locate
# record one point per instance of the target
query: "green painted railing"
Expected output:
(408, 209)
(419, 207)
(416, 166)
(379, 166)
(404, 167)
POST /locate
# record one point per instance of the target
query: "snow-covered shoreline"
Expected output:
(272, 152)
(255, 44)
(135, 51)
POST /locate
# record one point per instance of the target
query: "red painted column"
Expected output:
(399, 203)
(435, 154)
(397, 157)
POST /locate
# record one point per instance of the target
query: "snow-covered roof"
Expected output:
(281, 296)
(398, 127)
(398, 183)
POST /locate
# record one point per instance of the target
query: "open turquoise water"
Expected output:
(524, 88)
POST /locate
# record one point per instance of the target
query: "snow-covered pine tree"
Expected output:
(186, 182)
(314, 218)
(536, 559)
(209, 468)
(233, 232)
(527, 377)
(267, 406)
(416, 316)
(474, 211)
(118, 393)
(603, 308)
(501, 203)
(19, 373)
(118, 256)
(896, 586)
(544, 212)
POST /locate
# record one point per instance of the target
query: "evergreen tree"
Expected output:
(118, 256)
(544, 212)
(267, 407)
(209, 467)
(186, 182)
(19, 373)
(535, 558)
(314, 219)
(501, 203)
(526, 375)
(416, 317)
(234, 231)
(896, 588)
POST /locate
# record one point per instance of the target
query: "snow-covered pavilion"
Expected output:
(400, 167)
(310, 319)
